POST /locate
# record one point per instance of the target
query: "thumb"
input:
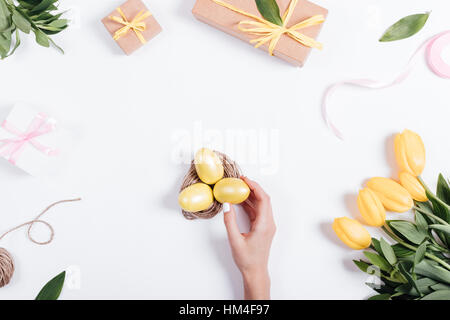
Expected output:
(229, 217)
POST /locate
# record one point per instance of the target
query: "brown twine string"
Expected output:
(6, 260)
(36, 220)
(231, 170)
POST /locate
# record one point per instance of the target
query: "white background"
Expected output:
(127, 237)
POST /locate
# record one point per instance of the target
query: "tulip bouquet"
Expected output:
(417, 266)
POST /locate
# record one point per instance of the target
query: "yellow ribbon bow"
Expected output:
(270, 32)
(137, 24)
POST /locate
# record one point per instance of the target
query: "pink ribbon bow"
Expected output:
(13, 147)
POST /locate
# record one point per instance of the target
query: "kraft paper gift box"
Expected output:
(145, 25)
(227, 20)
(33, 141)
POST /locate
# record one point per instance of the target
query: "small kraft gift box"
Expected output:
(33, 141)
(291, 36)
(131, 25)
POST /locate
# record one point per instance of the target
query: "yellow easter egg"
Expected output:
(196, 197)
(231, 190)
(208, 166)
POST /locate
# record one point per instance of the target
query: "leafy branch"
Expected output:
(27, 16)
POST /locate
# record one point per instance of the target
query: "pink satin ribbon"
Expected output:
(12, 148)
(433, 47)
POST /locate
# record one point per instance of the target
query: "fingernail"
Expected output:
(226, 207)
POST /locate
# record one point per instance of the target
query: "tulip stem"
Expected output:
(430, 194)
(411, 247)
(432, 216)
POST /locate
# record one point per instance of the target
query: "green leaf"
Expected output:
(421, 222)
(41, 38)
(440, 286)
(420, 253)
(409, 277)
(424, 206)
(42, 6)
(270, 11)
(56, 46)
(431, 270)
(363, 266)
(17, 43)
(4, 16)
(440, 209)
(425, 286)
(23, 24)
(388, 252)
(378, 260)
(5, 43)
(438, 295)
(405, 28)
(443, 189)
(383, 296)
(401, 251)
(376, 246)
(428, 208)
(52, 289)
(380, 288)
(440, 227)
(408, 230)
(61, 23)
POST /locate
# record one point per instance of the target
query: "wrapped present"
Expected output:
(291, 39)
(131, 25)
(32, 141)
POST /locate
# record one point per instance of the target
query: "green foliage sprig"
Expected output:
(418, 265)
(27, 16)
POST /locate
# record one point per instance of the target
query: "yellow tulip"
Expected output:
(371, 208)
(352, 233)
(410, 152)
(414, 187)
(392, 195)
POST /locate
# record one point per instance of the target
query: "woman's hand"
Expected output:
(251, 250)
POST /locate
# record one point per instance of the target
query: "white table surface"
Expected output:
(137, 116)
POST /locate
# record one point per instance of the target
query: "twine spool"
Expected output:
(6, 267)
(231, 170)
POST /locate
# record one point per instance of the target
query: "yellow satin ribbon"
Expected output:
(270, 32)
(137, 24)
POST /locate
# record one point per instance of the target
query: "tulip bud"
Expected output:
(410, 152)
(414, 187)
(352, 233)
(391, 194)
(371, 208)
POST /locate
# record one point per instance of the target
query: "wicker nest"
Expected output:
(231, 170)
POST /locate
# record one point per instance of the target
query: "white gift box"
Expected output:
(33, 141)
